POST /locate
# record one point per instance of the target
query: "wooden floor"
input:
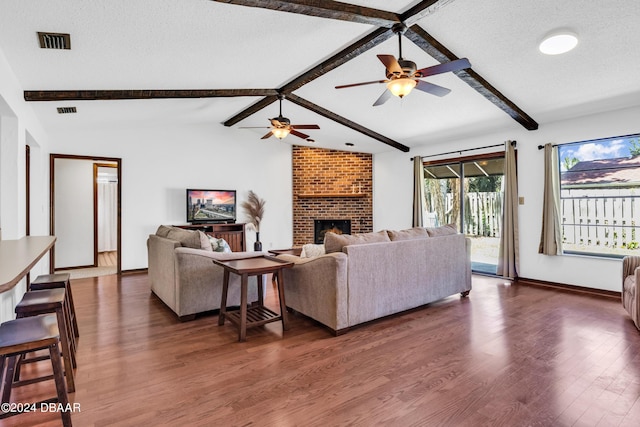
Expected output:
(107, 259)
(509, 355)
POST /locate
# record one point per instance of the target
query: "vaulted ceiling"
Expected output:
(195, 62)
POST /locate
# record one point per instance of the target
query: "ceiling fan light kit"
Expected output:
(280, 133)
(402, 86)
(558, 42)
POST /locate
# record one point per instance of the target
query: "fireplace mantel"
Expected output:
(329, 195)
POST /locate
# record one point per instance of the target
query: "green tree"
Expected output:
(634, 148)
(569, 162)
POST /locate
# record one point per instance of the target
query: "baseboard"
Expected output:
(135, 271)
(569, 288)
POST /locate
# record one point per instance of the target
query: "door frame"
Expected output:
(52, 210)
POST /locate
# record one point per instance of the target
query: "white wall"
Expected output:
(160, 163)
(74, 212)
(393, 188)
(18, 127)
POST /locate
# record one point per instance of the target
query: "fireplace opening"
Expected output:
(338, 226)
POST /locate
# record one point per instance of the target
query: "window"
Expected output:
(600, 196)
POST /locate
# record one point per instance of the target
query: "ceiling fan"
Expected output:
(403, 75)
(281, 126)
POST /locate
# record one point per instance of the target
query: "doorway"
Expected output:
(468, 192)
(85, 207)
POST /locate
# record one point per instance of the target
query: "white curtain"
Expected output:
(509, 254)
(551, 234)
(107, 216)
(418, 192)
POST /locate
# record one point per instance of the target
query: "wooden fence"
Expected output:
(482, 214)
(595, 221)
(604, 221)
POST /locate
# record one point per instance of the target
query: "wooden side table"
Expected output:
(290, 251)
(256, 315)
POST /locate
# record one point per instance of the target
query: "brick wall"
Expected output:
(323, 184)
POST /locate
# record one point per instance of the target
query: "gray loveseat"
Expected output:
(373, 276)
(182, 273)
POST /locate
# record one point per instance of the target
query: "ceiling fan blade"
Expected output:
(383, 98)
(275, 123)
(391, 63)
(432, 89)
(267, 135)
(361, 84)
(458, 64)
(305, 127)
(298, 134)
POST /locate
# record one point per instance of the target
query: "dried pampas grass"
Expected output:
(254, 209)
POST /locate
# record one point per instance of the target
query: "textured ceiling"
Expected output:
(200, 44)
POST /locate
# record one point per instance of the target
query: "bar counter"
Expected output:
(17, 258)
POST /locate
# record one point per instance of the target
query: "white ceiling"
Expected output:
(201, 44)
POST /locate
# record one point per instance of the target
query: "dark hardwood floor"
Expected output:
(509, 355)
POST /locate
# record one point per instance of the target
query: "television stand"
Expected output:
(233, 233)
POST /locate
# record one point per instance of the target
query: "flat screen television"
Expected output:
(211, 206)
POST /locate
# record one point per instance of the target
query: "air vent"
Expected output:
(66, 110)
(54, 40)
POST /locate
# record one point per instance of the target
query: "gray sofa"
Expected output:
(367, 279)
(182, 273)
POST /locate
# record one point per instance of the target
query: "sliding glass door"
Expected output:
(468, 192)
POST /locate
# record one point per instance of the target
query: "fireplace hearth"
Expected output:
(338, 226)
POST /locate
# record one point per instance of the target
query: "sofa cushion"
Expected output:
(444, 230)
(163, 230)
(311, 250)
(408, 234)
(335, 242)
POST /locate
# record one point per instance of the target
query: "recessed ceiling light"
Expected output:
(349, 144)
(557, 42)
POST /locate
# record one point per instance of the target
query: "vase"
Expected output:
(257, 245)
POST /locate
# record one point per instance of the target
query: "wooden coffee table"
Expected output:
(256, 315)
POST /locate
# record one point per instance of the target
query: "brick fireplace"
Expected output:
(331, 185)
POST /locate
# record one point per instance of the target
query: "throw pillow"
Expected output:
(205, 244)
(187, 238)
(311, 250)
(444, 230)
(218, 245)
(408, 234)
(335, 242)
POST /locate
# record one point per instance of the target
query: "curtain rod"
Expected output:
(540, 147)
(513, 144)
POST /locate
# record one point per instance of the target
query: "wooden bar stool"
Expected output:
(47, 301)
(21, 336)
(58, 280)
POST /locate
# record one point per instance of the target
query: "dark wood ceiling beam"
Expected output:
(324, 9)
(345, 122)
(254, 108)
(367, 42)
(105, 95)
(438, 51)
(419, 11)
